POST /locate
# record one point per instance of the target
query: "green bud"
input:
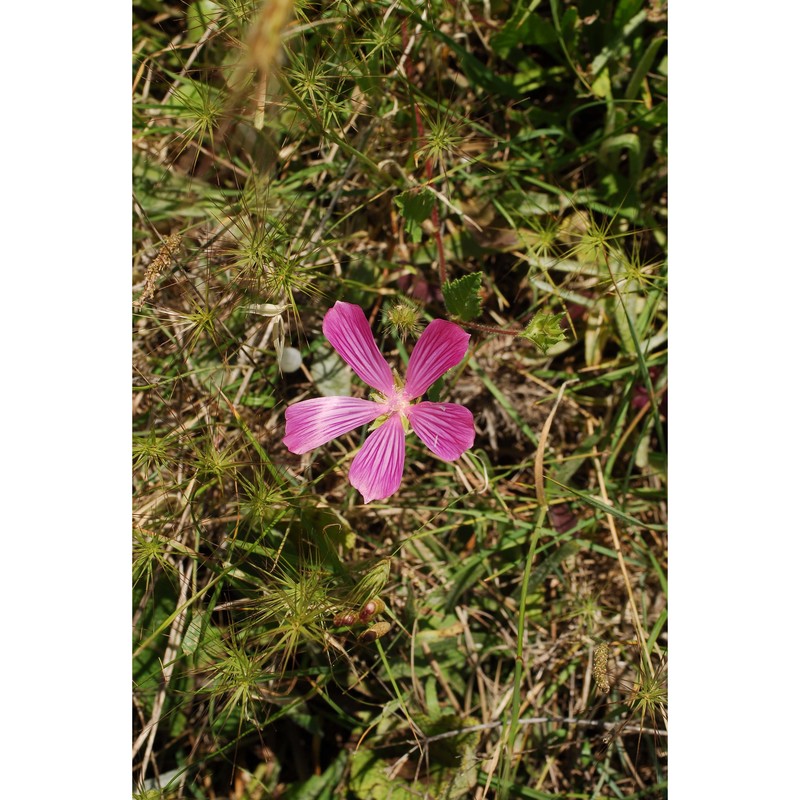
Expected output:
(544, 330)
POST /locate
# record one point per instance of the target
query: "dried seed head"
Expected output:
(600, 668)
(157, 265)
(265, 35)
(375, 632)
(371, 609)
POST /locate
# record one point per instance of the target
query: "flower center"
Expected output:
(395, 402)
(398, 402)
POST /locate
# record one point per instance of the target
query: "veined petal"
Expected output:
(441, 346)
(345, 326)
(311, 423)
(446, 428)
(377, 469)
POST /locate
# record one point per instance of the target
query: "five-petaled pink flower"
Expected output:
(446, 428)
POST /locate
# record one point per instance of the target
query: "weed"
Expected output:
(501, 166)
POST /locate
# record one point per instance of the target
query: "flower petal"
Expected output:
(446, 428)
(347, 329)
(311, 423)
(441, 346)
(377, 469)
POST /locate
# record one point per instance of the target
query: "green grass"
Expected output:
(509, 171)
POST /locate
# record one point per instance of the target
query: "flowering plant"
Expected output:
(447, 429)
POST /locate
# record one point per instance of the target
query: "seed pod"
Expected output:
(600, 668)
(371, 609)
(375, 632)
(344, 620)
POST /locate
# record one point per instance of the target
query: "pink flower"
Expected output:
(446, 428)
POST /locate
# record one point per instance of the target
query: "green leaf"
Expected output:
(335, 530)
(601, 86)
(320, 787)
(368, 779)
(524, 27)
(191, 639)
(643, 67)
(415, 205)
(451, 767)
(476, 71)
(331, 374)
(253, 401)
(199, 16)
(549, 565)
(461, 297)
(544, 330)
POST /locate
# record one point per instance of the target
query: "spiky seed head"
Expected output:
(402, 319)
(371, 584)
(600, 670)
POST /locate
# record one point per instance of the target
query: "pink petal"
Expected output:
(378, 468)
(311, 423)
(446, 428)
(441, 346)
(347, 329)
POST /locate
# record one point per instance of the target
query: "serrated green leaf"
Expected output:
(415, 206)
(551, 563)
(544, 330)
(461, 297)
